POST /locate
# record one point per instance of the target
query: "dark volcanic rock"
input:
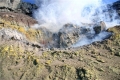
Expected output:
(100, 27)
(27, 8)
(116, 6)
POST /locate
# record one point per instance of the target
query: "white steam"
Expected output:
(53, 14)
(86, 41)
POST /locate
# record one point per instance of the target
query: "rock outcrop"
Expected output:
(70, 33)
(10, 4)
(17, 6)
(26, 8)
(18, 19)
(66, 37)
(9, 34)
(15, 25)
(100, 27)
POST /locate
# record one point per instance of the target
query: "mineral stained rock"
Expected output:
(99, 60)
(21, 24)
(68, 35)
(23, 56)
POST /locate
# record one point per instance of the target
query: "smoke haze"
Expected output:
(53, 14)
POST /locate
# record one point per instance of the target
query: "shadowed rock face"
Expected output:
(27, 8)
(116, 5)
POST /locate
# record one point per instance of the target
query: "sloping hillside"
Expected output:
(24, 56)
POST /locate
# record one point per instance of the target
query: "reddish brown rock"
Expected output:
(18, 19)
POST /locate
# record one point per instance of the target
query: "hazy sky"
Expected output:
(107, 1)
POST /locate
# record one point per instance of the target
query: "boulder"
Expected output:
(100, 27)
(70, 34)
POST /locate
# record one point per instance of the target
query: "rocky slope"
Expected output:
(17, 6)
(24, 56)
(99, 60)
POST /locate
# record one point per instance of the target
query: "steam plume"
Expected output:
(53, 14)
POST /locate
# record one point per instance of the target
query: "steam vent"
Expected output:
(59, 40)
